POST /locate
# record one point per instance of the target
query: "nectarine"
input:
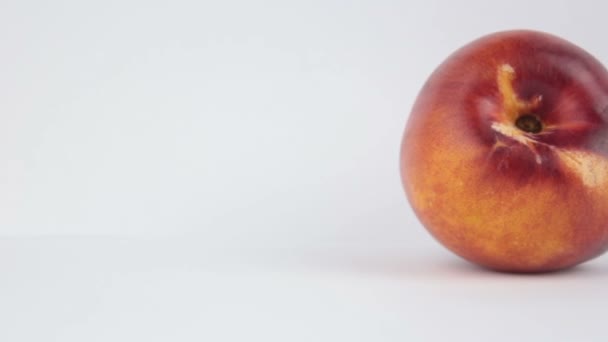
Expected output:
(504, 158)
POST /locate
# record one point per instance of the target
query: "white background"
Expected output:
(228, 171)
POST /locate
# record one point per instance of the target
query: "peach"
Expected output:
(504, 158)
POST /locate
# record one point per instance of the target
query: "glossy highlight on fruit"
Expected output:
(504, 158)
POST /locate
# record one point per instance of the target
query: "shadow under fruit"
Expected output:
(504, 157)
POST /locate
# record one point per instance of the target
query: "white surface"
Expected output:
(231, 171)
(93, 289)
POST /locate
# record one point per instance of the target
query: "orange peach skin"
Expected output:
(497, 195)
